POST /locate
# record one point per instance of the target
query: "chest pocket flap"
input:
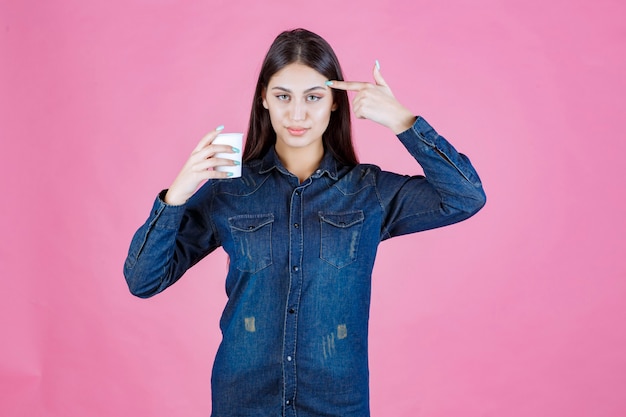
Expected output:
(340, 236)
(252, 238)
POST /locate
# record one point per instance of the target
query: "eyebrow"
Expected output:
(317, 87)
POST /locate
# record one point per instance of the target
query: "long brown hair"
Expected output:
(307, 48)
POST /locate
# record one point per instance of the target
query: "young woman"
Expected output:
(301, 228)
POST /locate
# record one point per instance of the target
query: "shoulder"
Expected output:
(369, 175)
(354, 179)
(251, 180)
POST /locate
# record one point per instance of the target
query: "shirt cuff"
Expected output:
(165, 216)
(424, 131)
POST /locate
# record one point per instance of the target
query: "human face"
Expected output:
(299, 104)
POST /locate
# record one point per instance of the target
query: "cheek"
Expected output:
(275, 115)
(322, 113)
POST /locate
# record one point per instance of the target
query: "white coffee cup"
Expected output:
(236, 141)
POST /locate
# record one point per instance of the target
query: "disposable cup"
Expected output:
(235, 140)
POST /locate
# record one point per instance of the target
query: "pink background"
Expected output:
(516, 312)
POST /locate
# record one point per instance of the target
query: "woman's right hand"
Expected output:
(199, 167)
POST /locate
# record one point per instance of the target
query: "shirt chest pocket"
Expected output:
(340, 236)
(252, 238)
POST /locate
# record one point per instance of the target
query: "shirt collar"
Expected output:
(271, 161)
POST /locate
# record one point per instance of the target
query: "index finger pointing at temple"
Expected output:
(346, 85)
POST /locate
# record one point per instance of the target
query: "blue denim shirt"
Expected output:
(295, 327)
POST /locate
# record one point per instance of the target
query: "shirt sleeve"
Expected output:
(172, 239)
(450, 190)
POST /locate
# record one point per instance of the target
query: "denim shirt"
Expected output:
(295, 326)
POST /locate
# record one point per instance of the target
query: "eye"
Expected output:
(282, 97)
(313, 98)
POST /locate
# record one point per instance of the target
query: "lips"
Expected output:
(296, 131)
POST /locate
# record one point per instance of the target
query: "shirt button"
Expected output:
(291, 311)
(288, 402)
(296, 225)
(289, 358)
(318, 171)
(297, 192)
(296, 269)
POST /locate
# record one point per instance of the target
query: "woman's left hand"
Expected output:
(377, 103)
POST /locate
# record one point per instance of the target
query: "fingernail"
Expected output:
(230, 174)
(220, 127)
(235, 150)
(237, 162)
(329, 83)
(377, 65)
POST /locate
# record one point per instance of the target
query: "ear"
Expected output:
(263, 96)
(334, 107)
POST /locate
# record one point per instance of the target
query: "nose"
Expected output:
(297, 111)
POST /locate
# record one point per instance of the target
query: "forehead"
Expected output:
(297, 75)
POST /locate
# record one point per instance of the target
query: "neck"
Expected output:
(301, 162)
